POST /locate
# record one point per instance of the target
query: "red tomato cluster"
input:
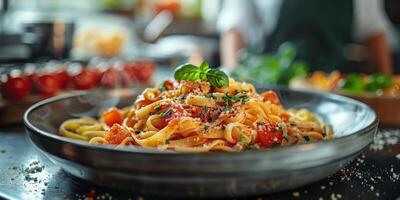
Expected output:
(141, 71)
(50, 80)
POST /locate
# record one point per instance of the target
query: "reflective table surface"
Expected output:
(27, 174)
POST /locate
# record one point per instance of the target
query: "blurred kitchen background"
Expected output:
(164, 31)
(48, 47)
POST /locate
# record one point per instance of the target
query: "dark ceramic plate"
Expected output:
(202, 175)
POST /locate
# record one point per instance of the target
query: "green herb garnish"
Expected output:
(157, 107)
(227, 99)
(235, 98)
(306, 138)
(167, 112)
(284, 137)
(244, 99)
(166, 141)
(243, 139)
(261, 123)
(216, 77)
(206, 127)
(227, 109)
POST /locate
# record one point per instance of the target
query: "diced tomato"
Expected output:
(196, 111)
(140, 102)
(112, 116)
(285, 117)
(46, 84)
(116, 134)
(169, 85)
(16, 88)
(131, 121)
(271, 96)
(267, 136)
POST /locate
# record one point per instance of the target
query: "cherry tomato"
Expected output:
(85, 80)
(267, 136)
(110, 78)
(147, 71)
(117, 134)
(46, 84)
(63, 78)
(16, 88)
(271, 96)
(112, 116)
(140, 71)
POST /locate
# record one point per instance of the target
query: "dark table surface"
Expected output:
(27, 174)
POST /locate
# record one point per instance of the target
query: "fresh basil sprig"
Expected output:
(216, 77)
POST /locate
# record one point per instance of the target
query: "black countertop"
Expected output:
(27, 174)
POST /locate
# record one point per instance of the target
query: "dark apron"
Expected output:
(320, 29)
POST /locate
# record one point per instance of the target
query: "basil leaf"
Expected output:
(187, 72)
(203, 70)
(217, 78)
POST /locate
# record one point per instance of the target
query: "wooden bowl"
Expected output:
(387, 107)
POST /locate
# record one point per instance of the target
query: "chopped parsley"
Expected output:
(205, 109)
(260, 123)
(284, 137)
(227, 109)
(166, 141)
(167, 112)
(157, 107)
(227, 99)
(244, 99)
(235, 98)
(244, 91)
(206, 127)
(306, 138)
(213, 119)
(213, 96)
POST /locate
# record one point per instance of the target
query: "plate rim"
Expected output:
(139, 150)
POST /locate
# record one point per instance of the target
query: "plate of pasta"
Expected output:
(202, 134)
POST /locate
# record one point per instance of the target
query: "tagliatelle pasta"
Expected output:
(194, 116)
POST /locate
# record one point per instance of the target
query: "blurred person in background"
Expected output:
(321, 30)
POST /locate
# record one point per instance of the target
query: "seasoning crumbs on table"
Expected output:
(296, 194)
